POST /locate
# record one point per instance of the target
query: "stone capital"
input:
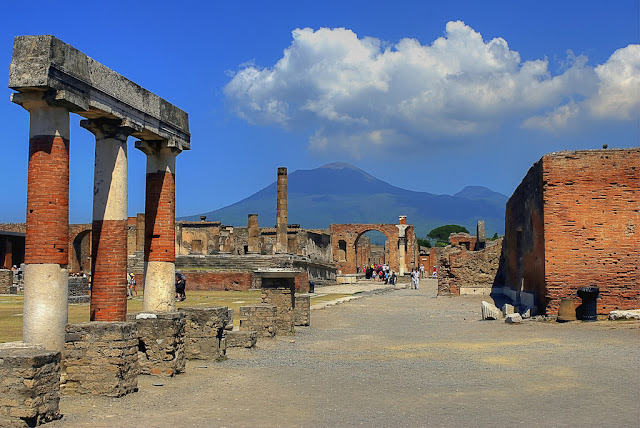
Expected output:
(102, 128)
(156, 147)
(54, 98)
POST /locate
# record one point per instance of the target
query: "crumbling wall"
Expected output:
(468, 272)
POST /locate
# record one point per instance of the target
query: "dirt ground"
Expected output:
(402, 358)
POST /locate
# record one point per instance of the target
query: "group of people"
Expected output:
(381, 273)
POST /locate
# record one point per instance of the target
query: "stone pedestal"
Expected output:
(302, 311)
(204, 332)
(29, 385)
(161, 342)
(6, 281)
(101, 358)
(284, 301)
(259, 318)
(241, 339)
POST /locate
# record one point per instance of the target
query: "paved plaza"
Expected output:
(399, 358)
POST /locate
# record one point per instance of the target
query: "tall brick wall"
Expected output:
(592, 226)
(524, 246)
(574, 221)
(219, 281)
(47, 230)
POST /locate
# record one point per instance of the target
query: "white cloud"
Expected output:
(361, 92)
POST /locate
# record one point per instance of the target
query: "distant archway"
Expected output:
(401, 234)
(80, 254)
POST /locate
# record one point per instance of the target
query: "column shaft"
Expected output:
(402, 251)
(109, 227)
(47, 231)
(159, 251)
(254, 234)
(281, 212)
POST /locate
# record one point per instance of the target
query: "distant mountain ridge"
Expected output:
(342, 193)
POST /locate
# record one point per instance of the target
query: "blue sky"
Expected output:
(424, 95)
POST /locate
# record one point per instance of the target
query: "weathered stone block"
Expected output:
(302, 310)
(204, 332)
(259, 318)
(633, 314)
(507, 309)
(6, 281)
(513, 318)
(284, 301)
(241, 339)
(101, 358)
(30, 386)
(161, 342)
(490, 312)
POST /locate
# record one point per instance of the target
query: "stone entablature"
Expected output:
(88, 88)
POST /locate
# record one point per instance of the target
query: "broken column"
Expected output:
(254, 234)
(47, 228)
(109, 227)
(281, 212)
(159, 248)
(481, 241)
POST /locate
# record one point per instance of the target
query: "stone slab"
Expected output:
(71, 78)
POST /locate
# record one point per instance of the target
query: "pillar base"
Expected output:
(30, 387)
(101, 358)
(205, 332)
(161, 342)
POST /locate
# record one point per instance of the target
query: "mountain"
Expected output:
(342, 193)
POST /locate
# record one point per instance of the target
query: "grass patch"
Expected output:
(11, 307)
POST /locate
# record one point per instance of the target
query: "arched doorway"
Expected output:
(371, 247)
(80, 259)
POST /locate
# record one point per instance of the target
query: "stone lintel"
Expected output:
(72, 79)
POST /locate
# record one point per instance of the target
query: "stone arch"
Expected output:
(80, 248)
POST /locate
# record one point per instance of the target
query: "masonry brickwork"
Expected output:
(161, 343)
(574, 221)
(461, 271)
(160, 217)
(284, 301)
(302, 310)
(109, 271)
(101, 358)
(29, 385)
(47, 239)
(259, 318)
(204, 332)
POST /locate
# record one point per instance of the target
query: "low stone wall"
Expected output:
(29, 385)
(6, 281)
(259, 318)
(468, 272)
(204, 332)
(101, 358)
(161, 342)
(241, 339)
(302, 310)
(79, 290)
(284, 300)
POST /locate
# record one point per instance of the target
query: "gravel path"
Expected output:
(401, 358)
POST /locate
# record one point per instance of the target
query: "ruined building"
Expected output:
(573, 222)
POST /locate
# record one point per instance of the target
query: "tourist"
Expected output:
(421, 271)
(181, 284)
(435, 272)
(131, 286)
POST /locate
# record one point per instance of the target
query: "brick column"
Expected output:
(254, 234)
(159, 243)
(47, 229)
(281, 212)
(109, 227)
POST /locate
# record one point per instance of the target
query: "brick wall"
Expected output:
(47, 229)
(592, 226)
(219, 280)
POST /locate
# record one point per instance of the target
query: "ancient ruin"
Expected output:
(573, 222)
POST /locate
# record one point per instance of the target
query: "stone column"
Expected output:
(109, 227)
(402, 251)
(254, 234)
(281, 212)
(159, 246)
(47, 229)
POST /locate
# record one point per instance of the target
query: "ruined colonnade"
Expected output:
(54, 79)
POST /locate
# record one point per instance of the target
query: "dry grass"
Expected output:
(11, 307)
